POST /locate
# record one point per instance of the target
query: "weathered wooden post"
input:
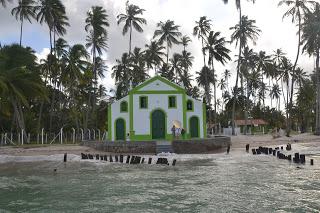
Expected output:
(65, 157)
(311, 162)
(247, 147)
(254, 151)
(303, 159)
(174, 162)
(111, 160)
(150, 161)
(121, 158)
(116, 157)
(128, 159)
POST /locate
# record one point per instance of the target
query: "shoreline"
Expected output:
(237, 142)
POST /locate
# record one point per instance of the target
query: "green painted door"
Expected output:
(158, 125)
(120, 129)
(194, 127)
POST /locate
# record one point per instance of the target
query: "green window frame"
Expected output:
(124, 106)
(172, 101)
(143, 102)
(190, 105)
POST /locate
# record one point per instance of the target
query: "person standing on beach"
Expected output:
(173, 130)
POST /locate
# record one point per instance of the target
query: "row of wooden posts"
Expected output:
(298, 158)
(129, 159)
(61, 137)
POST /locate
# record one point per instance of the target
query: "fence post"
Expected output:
(42, 136)
(5, 138)
(73, 135)
(94, 134)
(81, 134)
(61, 135)
(22, 137)
(99, 134)
(11, 137)
(1, 138)
(89, 134)
(28, 141)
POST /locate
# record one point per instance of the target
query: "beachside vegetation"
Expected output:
(65, 89)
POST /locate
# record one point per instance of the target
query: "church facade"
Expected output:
(151, 109)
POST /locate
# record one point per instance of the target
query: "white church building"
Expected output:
(151, 109)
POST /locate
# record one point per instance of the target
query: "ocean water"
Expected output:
(238, 182)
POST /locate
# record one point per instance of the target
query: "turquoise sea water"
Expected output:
(237, 182)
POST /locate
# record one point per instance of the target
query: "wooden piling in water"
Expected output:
(65, 157)
(128, 159)
(174, 162)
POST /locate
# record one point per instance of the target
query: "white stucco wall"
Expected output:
(115, 114)
(141, 117)
(197, 111)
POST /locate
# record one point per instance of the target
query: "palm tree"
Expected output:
(311, 41)
(186, 61)
(244, 31)
(4, 2)
(122, 74)
(20, 80)
(216, 46)
(176, 68)
(131, 19)
(96, 23)
(226, 76)
(202, 29)
(185, 40)
(139, 74)
(52, 12)
(297, 8)
(24, 10)
(153, 55)
(275, 93)
(169, 33)
(265, 67)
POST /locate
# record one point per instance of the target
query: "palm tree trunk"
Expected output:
(130, 39)
(246, 111)
(236, 86)
(21, 26)
(167, 52)
(317, 130)
(293, 71)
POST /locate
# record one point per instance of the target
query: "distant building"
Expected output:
(151, 109)
(253, 125)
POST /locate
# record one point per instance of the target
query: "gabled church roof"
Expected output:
(173, 86)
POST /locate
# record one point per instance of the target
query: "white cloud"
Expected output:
(43, 54)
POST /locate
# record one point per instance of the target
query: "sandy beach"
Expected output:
(238, 142)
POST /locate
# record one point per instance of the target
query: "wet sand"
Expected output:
(238, 142)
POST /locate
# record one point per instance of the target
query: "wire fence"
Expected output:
(43, 137)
